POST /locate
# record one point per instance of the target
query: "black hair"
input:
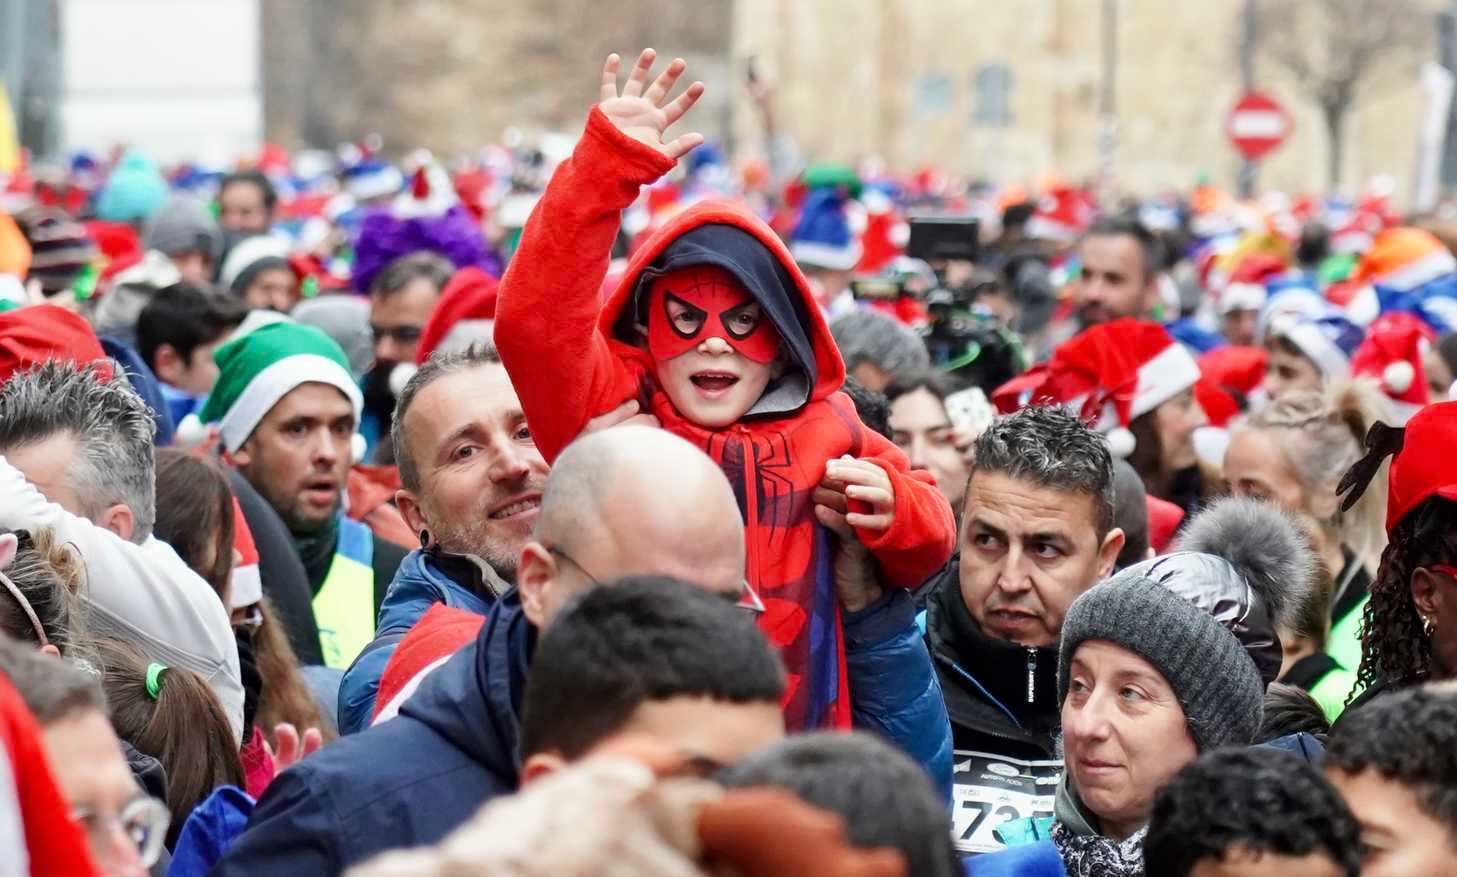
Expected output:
(1407, 737)
(1395, 650)
(1130, 514)
(1251, 800)
(885, 798)
(1290, 709)
(1149, 248)
(186, 317)
(1052, 448)
(1314, 245)
(641, 638)
(254, 177)
(411, 267)
(871, 406)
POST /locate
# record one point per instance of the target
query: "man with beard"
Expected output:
(1119, 271)
(401, 298)
(287, 409)
(471, 480)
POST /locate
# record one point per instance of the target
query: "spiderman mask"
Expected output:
(688, 306)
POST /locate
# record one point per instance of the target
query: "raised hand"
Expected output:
(643, 111)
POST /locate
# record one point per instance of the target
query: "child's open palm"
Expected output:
(643, 111)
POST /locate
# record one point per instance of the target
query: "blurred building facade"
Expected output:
(1002, 91)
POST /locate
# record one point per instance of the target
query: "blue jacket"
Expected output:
(894, 691)
(209, 830)
(423, 579)
(407, 782)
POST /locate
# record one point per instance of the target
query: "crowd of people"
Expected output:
(621, 511)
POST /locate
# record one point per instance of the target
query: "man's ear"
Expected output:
(534, 574)
(119, 520)
(540, 766)
(1425, 594)
(1108, 552)
(409, 506)
(242, 458)
(168, 364)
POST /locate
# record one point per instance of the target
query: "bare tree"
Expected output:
(1335, 49)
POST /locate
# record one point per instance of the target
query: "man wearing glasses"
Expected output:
(401, 298)
(621, 502)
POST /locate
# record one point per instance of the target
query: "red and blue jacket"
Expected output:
(571, 358)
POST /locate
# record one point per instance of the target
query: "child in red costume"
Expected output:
(714, 331)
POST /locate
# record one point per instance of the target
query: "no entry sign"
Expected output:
(1256, 124)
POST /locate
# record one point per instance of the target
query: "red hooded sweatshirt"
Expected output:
(571, 359)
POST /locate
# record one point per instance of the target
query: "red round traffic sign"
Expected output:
(1256, 125)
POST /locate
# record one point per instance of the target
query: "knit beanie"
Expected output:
(259, 369)
(181, 225)
(1208, 616)
(248, 258)
(60, 247)
(1215, 681)
(133, 192)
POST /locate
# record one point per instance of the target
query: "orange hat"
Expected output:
(1404, 258)
(14, 248)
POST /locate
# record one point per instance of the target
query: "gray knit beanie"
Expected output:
(1212, 675)
(181, 225)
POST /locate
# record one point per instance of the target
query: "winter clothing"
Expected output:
(371, 494)
(1324, 679)
(282, 572)
(143, 593)
(1423, 467)
(425, 578)
(33, 335)
(259, 369)
(469, 297)
(893, 687)
(183, 224)
(1113, 373)
(345, 318)
(349, 571)
(250, 257)
(134, 191)
(209, 831)
(1215, 680)
(60, 247)
(571, 359)
(986, 681)
(117, 312)
(146, 385)
(441, 632)
(407, 782)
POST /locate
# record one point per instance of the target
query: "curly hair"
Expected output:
(1407, 737)
(1394, 648)
(1252, 800)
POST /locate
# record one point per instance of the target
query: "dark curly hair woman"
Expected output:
(1410, 627)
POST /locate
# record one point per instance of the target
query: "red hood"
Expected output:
(829, 366)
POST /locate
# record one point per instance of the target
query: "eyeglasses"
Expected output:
(746, 598)
(144, 822)
(399, 334)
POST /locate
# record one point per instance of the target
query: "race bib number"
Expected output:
(990, 789)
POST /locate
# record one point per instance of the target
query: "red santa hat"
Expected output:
(440, 633)
(247, 584)
(1113, 373)
(33, 335)
(1424, 466)
(1062, 215)
(1392, 354)
(1229, 376)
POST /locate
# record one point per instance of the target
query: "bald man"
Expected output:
(625, 501)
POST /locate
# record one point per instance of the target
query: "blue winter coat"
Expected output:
(419, 584)
(1039, 859)
(407, 782)
(894, 691)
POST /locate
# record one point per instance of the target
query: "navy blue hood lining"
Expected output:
(761, 273)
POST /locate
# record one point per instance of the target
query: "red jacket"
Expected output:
(569, 363)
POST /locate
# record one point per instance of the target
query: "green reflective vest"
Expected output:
(344, 605)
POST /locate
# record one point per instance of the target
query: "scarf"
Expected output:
(316, 550)
(1084, 851)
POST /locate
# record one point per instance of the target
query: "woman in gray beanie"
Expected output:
(1165, 660)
